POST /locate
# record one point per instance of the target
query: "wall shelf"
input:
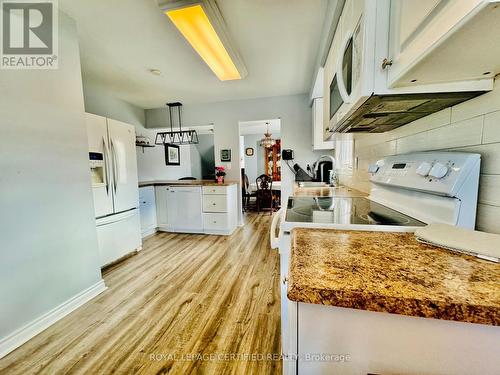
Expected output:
(143, 145)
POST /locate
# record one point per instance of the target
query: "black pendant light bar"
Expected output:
(176, 137)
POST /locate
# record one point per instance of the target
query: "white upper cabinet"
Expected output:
(435, 41)
(319, 136)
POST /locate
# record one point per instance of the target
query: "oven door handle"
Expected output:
(340, 74)
(275, 240)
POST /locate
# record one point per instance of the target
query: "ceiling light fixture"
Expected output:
(202, 24)
(267, 141)
(176, 137)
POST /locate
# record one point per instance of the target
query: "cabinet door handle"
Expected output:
(386, 62)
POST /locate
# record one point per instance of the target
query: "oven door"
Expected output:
(345, 88)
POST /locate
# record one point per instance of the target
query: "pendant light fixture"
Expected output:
(267, 141)
(176, 137)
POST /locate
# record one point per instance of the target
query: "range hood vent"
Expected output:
(381, 113)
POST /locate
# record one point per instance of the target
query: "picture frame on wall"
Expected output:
(172, 154)
(249, 151)
(225, 155)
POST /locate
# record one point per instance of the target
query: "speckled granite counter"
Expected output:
(185, 183)
(342, 191)
(392, 272)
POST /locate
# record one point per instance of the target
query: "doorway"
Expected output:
(260, 154)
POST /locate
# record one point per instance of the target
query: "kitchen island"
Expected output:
(189, 206)
(392, 305)
(185, 183)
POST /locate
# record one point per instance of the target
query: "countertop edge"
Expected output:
(184, 183)
(401, 306)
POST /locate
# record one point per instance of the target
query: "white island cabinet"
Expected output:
(209, 209)
(220, 209)
(179, 209)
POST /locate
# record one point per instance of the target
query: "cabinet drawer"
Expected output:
(215, 221)
(215, 203)
(215, 190)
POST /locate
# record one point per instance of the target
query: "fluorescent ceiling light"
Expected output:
(194, 24)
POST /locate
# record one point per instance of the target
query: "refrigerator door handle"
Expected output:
(115, 166)
(106, 164)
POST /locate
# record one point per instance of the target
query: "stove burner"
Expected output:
(373, 218)
(355, 210)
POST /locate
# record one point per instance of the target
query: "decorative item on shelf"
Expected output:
(225, 155)
(267, 141)
(249, 151)
(172, 154)
(143, 141)
(176, 137)
(220, 172)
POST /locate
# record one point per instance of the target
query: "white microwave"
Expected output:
(360, 99)
(345, 86)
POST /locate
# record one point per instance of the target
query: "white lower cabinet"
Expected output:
(215, 221)
(147, 209)
(321, 339)
(220, 208)
(197, 209)
(335, 340)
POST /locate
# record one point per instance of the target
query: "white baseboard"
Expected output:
(33, 328)
(148, 232)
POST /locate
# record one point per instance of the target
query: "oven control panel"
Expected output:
(441, 173)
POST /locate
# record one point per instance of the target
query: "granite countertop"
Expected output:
(393, 273)
(327, 191)
(184, 183)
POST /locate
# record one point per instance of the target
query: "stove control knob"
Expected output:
(424, 169)
(439, 170)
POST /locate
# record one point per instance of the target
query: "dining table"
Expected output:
(276, 186)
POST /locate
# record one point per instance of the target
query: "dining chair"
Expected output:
(264, 193)
(247, 195)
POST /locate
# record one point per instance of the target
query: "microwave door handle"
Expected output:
(106, 166)
(340, 62)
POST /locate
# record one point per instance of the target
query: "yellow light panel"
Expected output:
(195, 26)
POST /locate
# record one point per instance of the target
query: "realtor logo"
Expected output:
(29, 34)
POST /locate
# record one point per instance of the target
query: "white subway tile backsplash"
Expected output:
(489, 190)
(488, 218)
(490, 157)
(480, 105)
(460, 134)
(491, 131)
(416, 142)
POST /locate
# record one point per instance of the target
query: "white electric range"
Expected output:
(408, 191)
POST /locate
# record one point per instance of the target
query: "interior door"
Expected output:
(124, 161)
(98, 142)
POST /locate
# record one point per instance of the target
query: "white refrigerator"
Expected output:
(113, 163)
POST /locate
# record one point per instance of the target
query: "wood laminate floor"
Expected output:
(213, 298)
